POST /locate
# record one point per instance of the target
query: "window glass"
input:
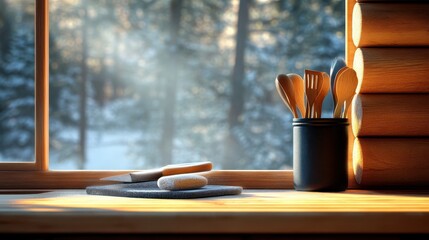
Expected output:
(138, 84)
(16, 80)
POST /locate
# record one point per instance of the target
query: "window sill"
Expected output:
(256, 179)
(255, 211)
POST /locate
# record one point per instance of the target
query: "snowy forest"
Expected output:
(136, 84)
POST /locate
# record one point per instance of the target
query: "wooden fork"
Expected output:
(323, 92)
(313, 86)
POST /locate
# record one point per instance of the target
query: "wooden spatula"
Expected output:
(345, 87)
(313, 86)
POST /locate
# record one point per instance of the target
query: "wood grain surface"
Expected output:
(18, 166)
(382, 162)
(380, 24)
(42, 84)
(254, 211)
(401, 115)
(250, 179)
(267, 179)
(392, 70)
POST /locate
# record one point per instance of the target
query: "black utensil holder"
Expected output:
(320, 154)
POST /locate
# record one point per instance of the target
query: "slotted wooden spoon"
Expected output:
(313, 86)
(345, 88)
(298, 84)
(319, 100)
(285, 89)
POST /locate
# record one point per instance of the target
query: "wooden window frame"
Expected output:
(36, 175)
(41, 83)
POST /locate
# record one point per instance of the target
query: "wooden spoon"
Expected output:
(298, 84)
(286, 91)
(345, 88)
(313, 86)
(319, 100)
(348, 101)
(334, 94)
(336, 66)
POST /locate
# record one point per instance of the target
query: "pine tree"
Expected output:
(131, 59)
(17, 98)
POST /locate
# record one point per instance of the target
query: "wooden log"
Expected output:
(350, 46)
(379, 24)
(398, 115)
(392, 70)
(381, 162)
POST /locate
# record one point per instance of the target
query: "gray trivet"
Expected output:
(151, 190)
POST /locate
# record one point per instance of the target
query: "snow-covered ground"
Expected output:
(108, 151)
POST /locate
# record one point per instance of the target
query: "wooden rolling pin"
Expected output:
(398, 115)
(379, 24)
(182, 182)
(392, 70)
(391, 161)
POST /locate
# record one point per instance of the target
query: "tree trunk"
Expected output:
(5, 29)
(233, 151)
(83, 93)
(171, 71)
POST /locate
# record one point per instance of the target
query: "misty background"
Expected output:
(137, 84)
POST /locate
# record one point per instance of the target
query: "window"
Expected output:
(139, 84)
(207, 72)
(17, 81)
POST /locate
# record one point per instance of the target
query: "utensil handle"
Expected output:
(186, 168)
(346, 107)
(147, 175)
(318, 109)
(307, 110)
(294, 113)
(337, 111)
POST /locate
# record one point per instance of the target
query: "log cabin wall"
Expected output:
(390, 114)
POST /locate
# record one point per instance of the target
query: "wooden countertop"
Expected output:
(255, 211)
